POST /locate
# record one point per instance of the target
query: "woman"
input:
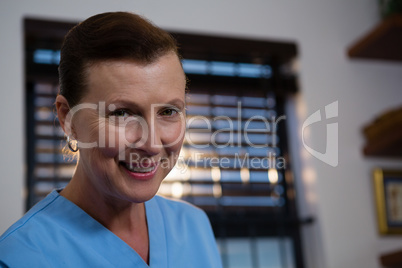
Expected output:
(122, 106)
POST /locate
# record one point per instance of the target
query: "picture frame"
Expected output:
(388, 195)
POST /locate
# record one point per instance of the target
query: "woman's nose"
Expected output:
(145, 137)
(152, 145)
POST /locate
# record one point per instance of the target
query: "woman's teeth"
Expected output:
(138, 169)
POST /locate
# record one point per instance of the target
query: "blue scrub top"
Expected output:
(57, 233)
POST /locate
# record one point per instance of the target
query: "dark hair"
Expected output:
(108, 36)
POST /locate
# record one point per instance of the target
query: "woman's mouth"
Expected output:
(140, 171)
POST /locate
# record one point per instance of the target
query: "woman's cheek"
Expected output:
(88, 135)
(173, 136)
(109, 142)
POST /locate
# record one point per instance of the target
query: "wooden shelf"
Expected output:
(393, 259)
(384, 42)
(390, 145)
(384, 135)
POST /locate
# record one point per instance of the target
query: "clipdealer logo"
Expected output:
(330, 156)
(138, 124)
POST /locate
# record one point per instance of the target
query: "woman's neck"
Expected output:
(125, 219)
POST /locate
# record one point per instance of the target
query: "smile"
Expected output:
(140, 172)
(134, 168)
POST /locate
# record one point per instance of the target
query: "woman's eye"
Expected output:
(120, 113)
(168, 112)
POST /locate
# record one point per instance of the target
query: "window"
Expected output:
(234, 162)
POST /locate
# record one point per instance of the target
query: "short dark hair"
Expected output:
(108, 36)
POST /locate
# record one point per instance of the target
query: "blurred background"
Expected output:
(277, 58)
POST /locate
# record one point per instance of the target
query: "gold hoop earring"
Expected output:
(70, 146)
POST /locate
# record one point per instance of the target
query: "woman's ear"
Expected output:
(63, 113)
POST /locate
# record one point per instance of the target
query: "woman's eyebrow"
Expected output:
(129, 104)
(118, 103)
(176, 102)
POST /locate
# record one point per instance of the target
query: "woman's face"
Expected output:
(130, 127)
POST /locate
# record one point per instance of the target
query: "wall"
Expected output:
(340, 198)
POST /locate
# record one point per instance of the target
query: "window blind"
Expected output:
(230, 157)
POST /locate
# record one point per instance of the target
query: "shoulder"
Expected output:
(35, 214)
(24, 237)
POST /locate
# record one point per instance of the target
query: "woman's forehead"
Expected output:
(140, 85)
(126, 79)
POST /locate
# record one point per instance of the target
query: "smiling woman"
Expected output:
(122, 98)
